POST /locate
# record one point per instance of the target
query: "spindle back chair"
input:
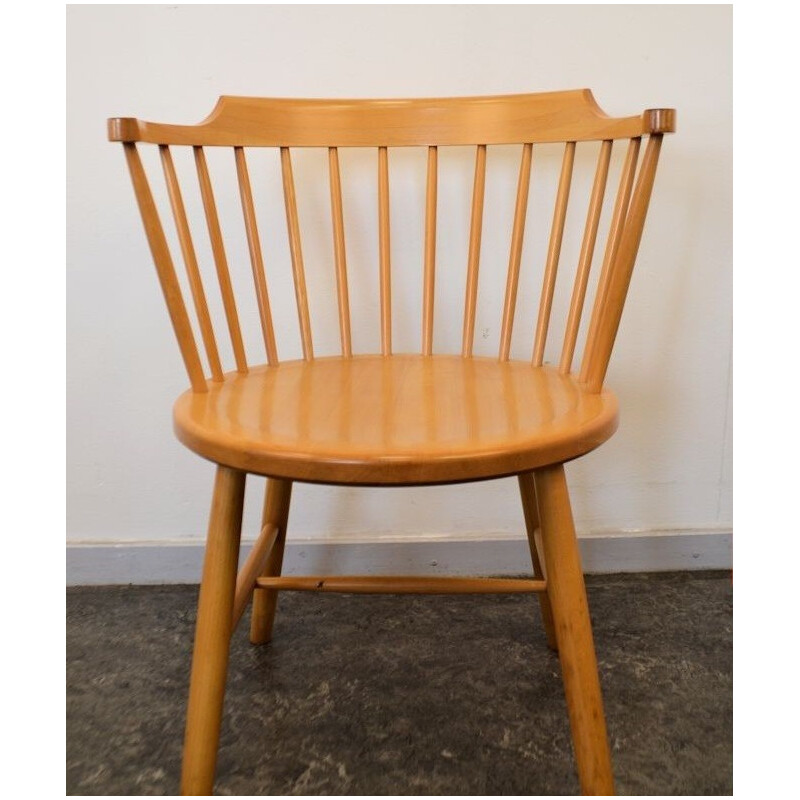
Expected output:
(393, 418)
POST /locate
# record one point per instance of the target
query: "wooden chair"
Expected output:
(392, 419)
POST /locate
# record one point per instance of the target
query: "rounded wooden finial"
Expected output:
(659, 120)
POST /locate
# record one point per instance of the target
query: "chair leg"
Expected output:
(276, 511)
(567, 593)
(527, 492)
(213, 633)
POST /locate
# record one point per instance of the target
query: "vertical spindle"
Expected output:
(165, 269)
(612, 243)
(220, 259)
(339, 251)
(430, 252)
(473, 259)
(256, 260)
(190, 262)
(553, 253)
(296, 251)
(585, 258)
(515, 255)
(385, 251)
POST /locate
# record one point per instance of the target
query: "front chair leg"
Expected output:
(276, 511)
(213, 633)
(567, 593)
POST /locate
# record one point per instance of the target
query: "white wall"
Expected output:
(668, 467)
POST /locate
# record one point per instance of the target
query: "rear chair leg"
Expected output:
(567, 593)
(213, 633)
(527, 492)
(276, 511)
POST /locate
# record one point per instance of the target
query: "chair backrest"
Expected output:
(238, 123)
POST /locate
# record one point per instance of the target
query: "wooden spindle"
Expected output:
(585, 258)
(385, 251)
(256, 261)
(612, 243)
(252, 569)
(553, 253)
(515, 255)
(190, 261)
(473, 259)
(622, 266)
(220, 260)
(165, 269)
(401, 584)
(293, 226)
(339, 251)
(277, 500)
(430, 252)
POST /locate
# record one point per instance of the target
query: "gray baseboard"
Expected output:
(171, 562)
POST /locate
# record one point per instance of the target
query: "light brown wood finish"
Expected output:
(190, 262)
(621, 269)
(585, 258)
(515, 256)
(390, 420)
(298, 270)
(553, 253)
(251, 569)
(212, 638)
(567, 593)
(474, 257)
(220, 259)
(277, 498)
(403, 584)
(385, 251)
(339, 251)
(501, 119)
(165, 269)
(256, 260)
(612, 244)
(366, 419)
(527, 491)
(430, 252)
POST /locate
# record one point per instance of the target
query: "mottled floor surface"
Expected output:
(399, 695)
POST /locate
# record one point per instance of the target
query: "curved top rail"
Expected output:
(500, 119)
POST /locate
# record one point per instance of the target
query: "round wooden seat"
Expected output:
(400, 419)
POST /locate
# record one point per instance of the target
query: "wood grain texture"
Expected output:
(527, 492)
(500, 119)
(256, 259)
(340, 256)
(251, 569)
(553, 254)
(403, 584)
(162, 259)
(474, 256)
(190, 262)
(621, 268)
(402, 419)
(296, 252)
(220, 259)
(567, 594)
(277, 499)
(394, 420)
(612, 245)
(212, 638)
(384, 245)
(515, 255)
(585, 258)
(430, 252)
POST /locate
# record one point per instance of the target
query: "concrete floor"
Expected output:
(400, 695)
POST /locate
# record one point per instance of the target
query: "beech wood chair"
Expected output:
(366, 419)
